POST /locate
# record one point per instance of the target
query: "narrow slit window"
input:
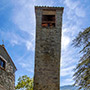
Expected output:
(2, 63)
(48, 20)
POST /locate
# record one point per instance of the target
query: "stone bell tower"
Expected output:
(48, 48)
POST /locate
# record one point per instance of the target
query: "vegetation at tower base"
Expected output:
(82, 70)
(24, 83)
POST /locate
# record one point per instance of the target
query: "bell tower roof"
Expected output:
(47, 7)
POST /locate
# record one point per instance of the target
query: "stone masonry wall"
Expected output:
(7, 78)
(47, 53)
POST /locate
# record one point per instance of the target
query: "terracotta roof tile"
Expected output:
(49, 7)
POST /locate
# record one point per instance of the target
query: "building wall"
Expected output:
(7, 76)
(6, 56)
(47, 53)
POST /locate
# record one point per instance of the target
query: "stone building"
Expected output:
(7, 70)
(48, 48)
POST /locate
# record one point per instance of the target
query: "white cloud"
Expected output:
(80, 12)
(44, 3)
(27, 66)
(24, 65)
(67, 71)
(16, 39)
(24, 13)
(14, 42)
(68, 81)
(67, 60)
(74, 8)
(27, 63)
(65, 42)
(29, 45)
(24, 17)
(71, 4)
(30, 70)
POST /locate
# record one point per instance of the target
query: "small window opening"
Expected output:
(48, 21)
(2, 63)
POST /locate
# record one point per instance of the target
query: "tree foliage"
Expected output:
(82, 70)
(24, 83)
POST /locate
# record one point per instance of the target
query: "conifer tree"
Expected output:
(82, 70)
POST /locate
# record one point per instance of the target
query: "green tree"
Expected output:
(82, 70)
(24, 83)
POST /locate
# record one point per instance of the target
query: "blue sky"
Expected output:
(17, 29)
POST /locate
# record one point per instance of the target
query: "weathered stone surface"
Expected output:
(47, 52)
(7, 75)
